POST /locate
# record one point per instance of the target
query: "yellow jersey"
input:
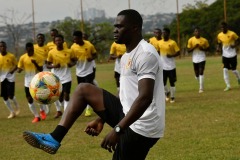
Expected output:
(169, 47)
(154, 41)
(117, 49)
(82, 53)
(7, 63)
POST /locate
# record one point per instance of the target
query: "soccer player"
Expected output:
(198, 46)
(8, 66)
(85, 53)
(52, 44)
(169, 50)
(137, 118)
(157, 37)
(31, 64)
(59, 60)
(41, 50)
(116, 52)
(227, 43)
(85, 37)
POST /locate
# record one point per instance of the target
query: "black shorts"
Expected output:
(7, 89)
(200, 65)
(230, 63)
(171, 74)
(94, 72)
(87, 79)
(131, 145)
(66, 87)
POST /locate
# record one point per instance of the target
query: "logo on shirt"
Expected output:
(128, 63)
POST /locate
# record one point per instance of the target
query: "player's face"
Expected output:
(165, 35)
(40, 40)
(157, 33)
(224, 28)
(122, 30)
(53, 34)
(58, 41)
(76, 39)
(3, 47)
(30, 51)
(196, 33)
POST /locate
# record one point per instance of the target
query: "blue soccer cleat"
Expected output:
(42, 141)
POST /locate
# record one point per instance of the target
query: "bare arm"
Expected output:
(13, 70)
(39, 68)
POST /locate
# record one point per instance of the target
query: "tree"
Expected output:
(14, 27)
(208, 18)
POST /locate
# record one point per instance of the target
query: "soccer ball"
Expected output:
(45, 87)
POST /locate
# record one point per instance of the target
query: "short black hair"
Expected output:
(60, 36)
(40, 34)
(54, 30)
(3, 43)
(224, 24)
(77, 34)
(158, 29)
(29, 44)
(132, 16)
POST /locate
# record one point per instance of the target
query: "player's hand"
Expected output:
(33, 61)
(201, 48)
(169, 56)
(197, 46)
(57, 66)
(94, 128)
(232, 46)
(89, 59)
(110, 141)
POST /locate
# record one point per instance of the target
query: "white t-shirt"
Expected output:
(84, 68)
(228, 51)
(117, 67)
(143, 62)
(168, 63)
(198, 56)
(64, 74)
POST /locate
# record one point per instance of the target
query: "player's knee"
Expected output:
(86, 89)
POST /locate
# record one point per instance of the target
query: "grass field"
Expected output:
(198, 126)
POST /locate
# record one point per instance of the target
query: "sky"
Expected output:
(52, 10)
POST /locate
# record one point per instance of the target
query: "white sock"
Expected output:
(14, 101)
(172, 92)
(8, 104)
(226, 77)
(236, 74)
(166, 89)
(41, 106)
(33, 109)
(201, 80)
(65, 104)
(58, 105)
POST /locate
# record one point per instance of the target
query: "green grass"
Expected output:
(198, 126)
